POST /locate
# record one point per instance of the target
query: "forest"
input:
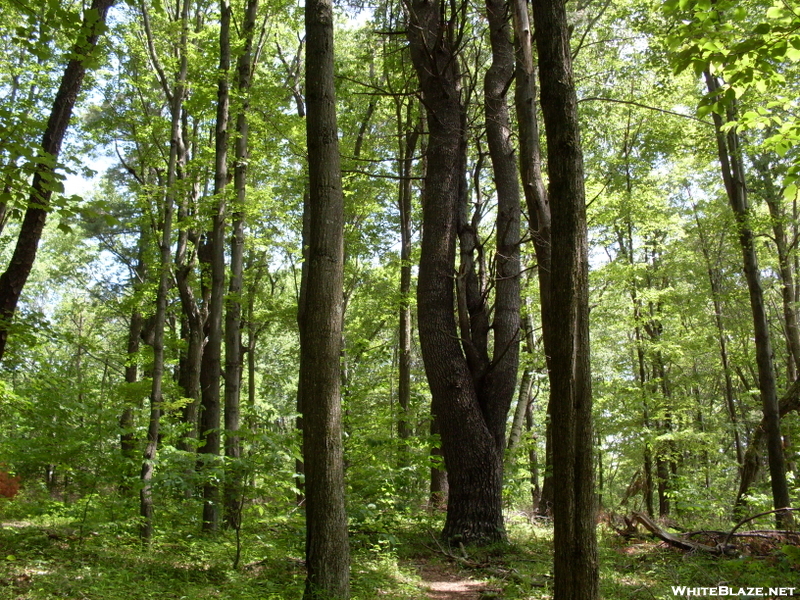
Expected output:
(407, 300)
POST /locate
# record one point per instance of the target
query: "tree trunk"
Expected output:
(575, 543)
(732, 165)
(778, 217)
(716, 298)
(233, 305)
(211, 372)
(45, 179)
(408, 145)
(471, 394)
(752, 457)
(176, 104)
(536, 200)
(320, 318)
(127, 436)
(533, 461)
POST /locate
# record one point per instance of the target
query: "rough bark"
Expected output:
(732, 165)
(45, 179)
(471, 393)
(327, 547)
(575, 543)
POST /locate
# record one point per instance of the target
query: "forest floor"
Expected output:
(85, 553)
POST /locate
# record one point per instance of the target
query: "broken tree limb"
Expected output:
(674, 540)
(748, 519)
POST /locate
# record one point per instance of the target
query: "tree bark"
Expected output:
(575, 543)
(176, 104)
(471, 394)
(320, 318)
(731, 162)
(408, 145)
(45, 179)
(233, 304)
(536, 200)
(211, 371)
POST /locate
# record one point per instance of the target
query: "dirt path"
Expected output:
(444, 584)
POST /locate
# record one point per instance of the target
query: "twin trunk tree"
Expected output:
(471, 391)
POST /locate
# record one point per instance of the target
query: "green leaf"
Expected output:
(774, 12)
(790, 192)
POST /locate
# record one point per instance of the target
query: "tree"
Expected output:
(176, 97)
(732, 165)
(575, 561)
(233, 304)
(320, 320)
(471, 391)
(45, 180)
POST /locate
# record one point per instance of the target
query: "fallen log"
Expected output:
(674, 540)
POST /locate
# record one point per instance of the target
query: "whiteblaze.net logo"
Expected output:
(723, 590)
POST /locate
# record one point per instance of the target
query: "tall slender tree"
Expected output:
(320, 319)
(175, 97)
(575, 560)
(211, 373)
(733, 174)
(233, 304)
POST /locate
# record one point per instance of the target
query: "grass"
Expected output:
(57, 557)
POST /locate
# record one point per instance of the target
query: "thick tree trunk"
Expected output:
(320, 318)
(575, 560)
(44, 178)
(471, 394)
(233, 305)
(501, 377)
(732, 165)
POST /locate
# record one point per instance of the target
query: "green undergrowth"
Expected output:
(76, 557)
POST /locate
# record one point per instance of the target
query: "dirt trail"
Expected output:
(443, 584)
